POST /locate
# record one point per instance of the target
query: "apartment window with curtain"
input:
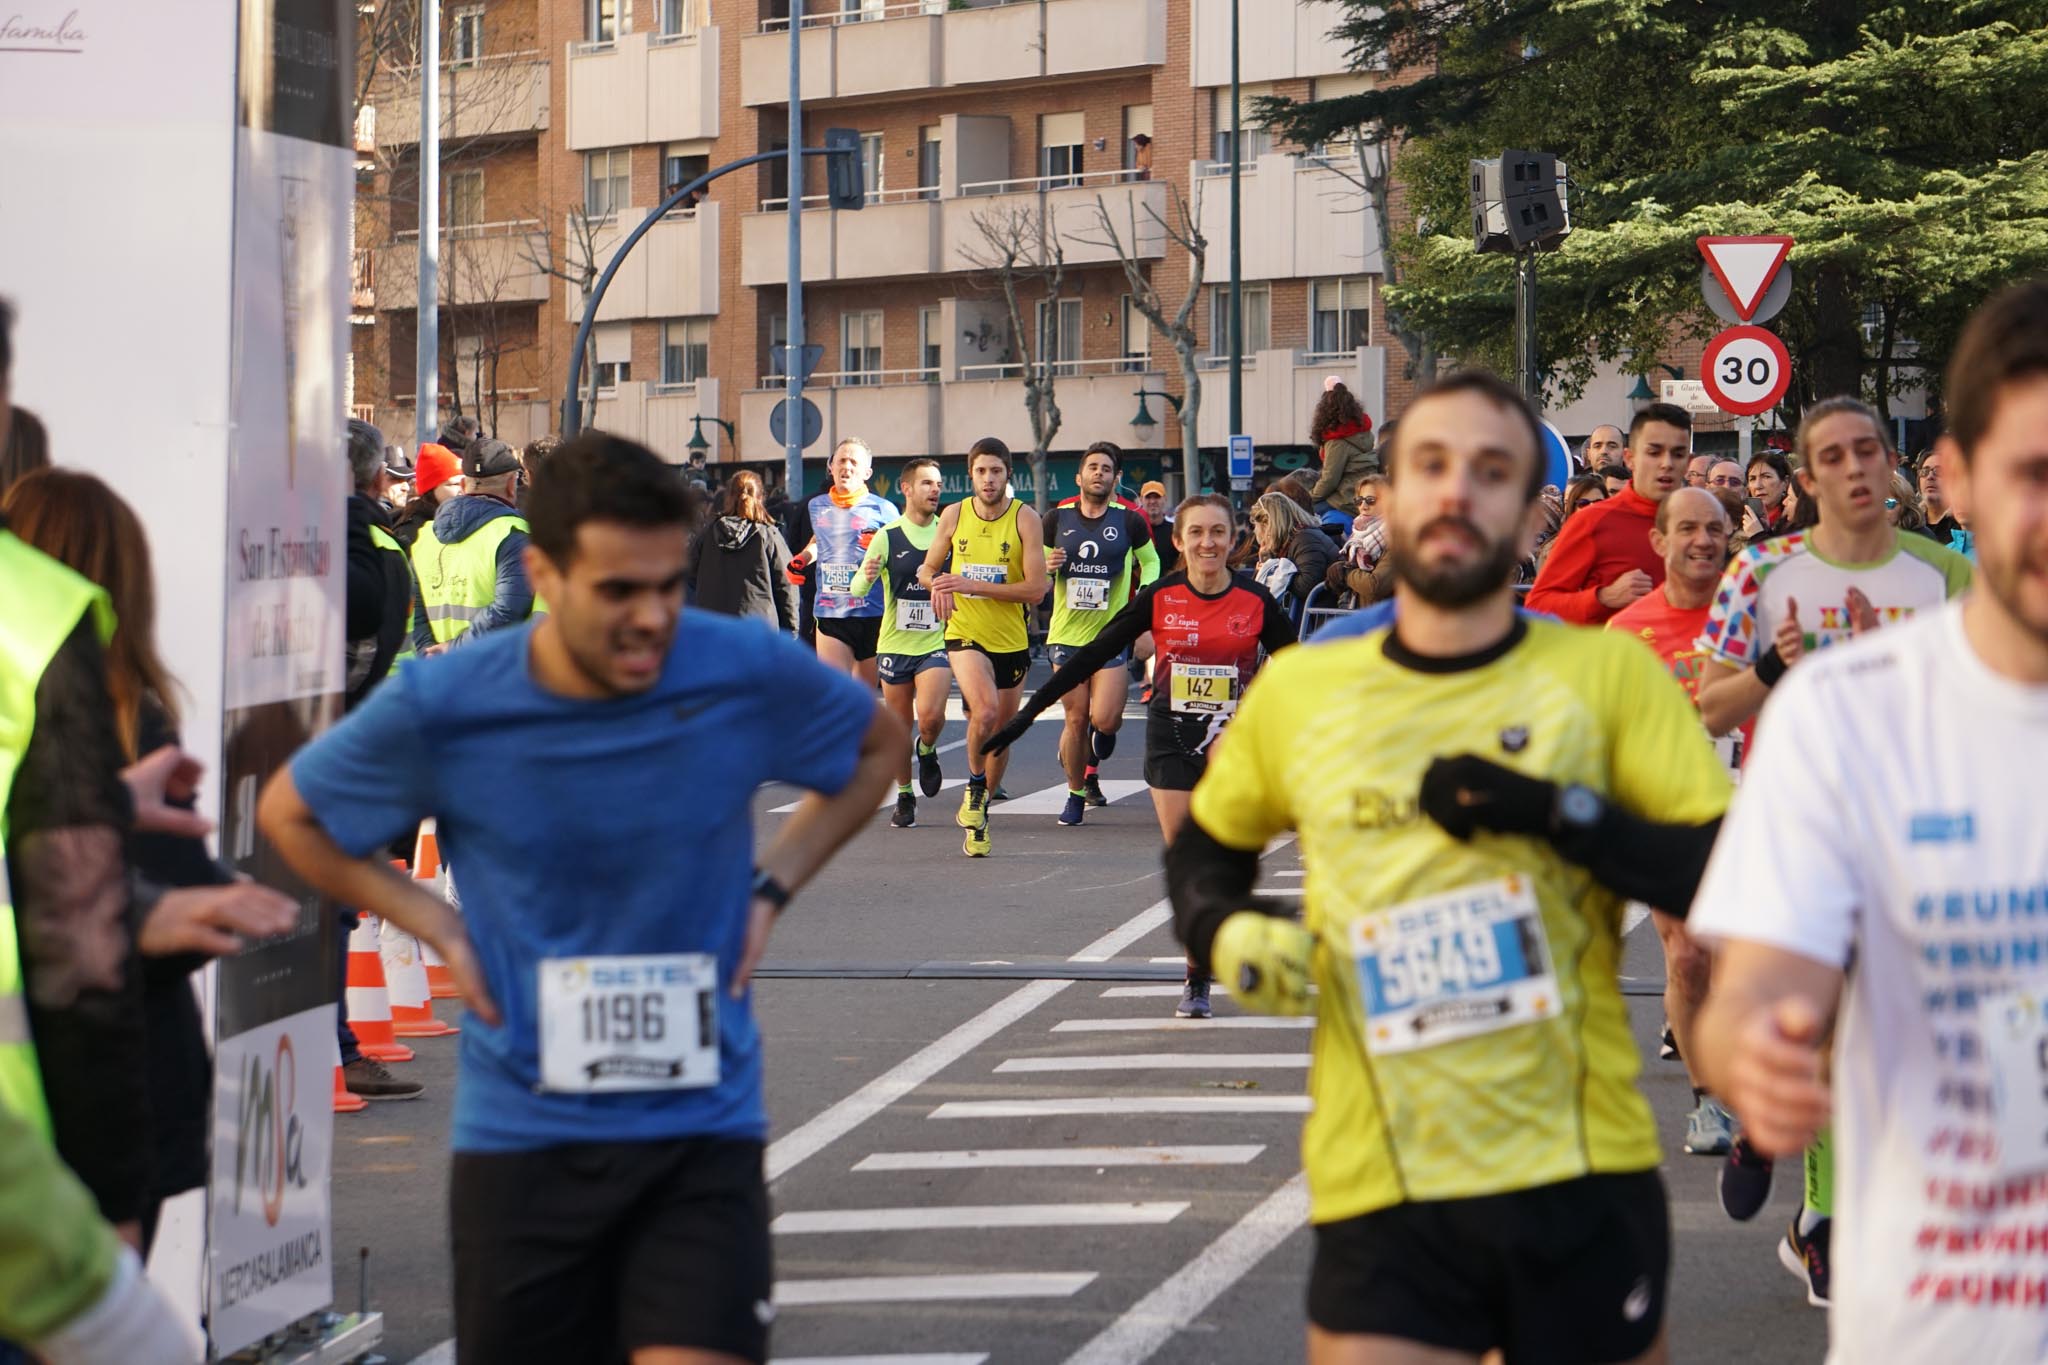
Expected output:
(860, 347)
(1258, 314)
(607, 181)
(613, 342)
(929, 339)
(1137, 350)
(685, 351)
(1257, 140)
(1059, 335)
(872, 165)
(1060, 138)
(601, 21)
(929, 149)
(679, 169)
(675, 18)
(465, 198)
(1340, 315)
(466, 38)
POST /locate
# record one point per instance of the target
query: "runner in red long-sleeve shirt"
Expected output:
(1601, 560)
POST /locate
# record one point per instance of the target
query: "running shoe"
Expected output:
(1667, 1044)
(1092, 786)
(1194, 999)
(372, 1081)
(1806, 1255)
(1709, 1128)
(1000, 793)
(1745, 1181)
(975, 845)
(929, 778)
(1070, 814)
(973, 807)
(906, 811)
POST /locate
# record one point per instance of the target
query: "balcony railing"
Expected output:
(856, 379)
(1032, 184)
(906, 195)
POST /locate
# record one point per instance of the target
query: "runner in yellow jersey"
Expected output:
(986, 569)
(1482, 1167)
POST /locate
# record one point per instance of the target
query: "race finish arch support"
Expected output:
(227, 443)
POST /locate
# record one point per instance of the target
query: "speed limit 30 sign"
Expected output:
(1746, 370)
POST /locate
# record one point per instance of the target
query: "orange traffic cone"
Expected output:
(369, 1006)
(426, 867)
(405, 979)
(345, 1103)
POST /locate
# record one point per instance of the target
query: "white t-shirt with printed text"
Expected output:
(1890, 823)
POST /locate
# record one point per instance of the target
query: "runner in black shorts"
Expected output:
(1209, 625)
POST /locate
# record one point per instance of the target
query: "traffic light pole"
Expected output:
(572, 405)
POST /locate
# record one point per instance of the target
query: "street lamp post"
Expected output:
(426, 388)
(1236, 234)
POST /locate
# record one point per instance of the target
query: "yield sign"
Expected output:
(1744, 266)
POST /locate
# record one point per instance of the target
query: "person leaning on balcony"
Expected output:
(1141, 156)
(1343, 432)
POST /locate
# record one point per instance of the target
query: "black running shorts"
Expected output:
(1010, 665)
(589, 1252)
(858, 633)
(1572, 1273)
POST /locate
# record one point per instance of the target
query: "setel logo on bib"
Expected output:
(645, 1022)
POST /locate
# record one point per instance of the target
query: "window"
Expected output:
(607, 182)
(1257, 140)
(1059, 335)
(929, 339)
(465, 198)
(1340, 315)
(467, 49)
(1059, 149)
(676, 18)
(601, 21)
(871, 165)
(685, 351)
(613, 342)
(679, 169)
(929, 150)
(1137, 338)
(1257, 304)
(860, 347)
(854, 11)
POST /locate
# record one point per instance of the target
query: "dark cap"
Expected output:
(458, 432)
(488, 458)
(396, 464)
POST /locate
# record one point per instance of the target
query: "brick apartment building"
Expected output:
(564, 122)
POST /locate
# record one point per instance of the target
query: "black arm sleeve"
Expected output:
(1120, 634)
(67, 813)
(1659, 865)
(1276, 631)
(1208, 881)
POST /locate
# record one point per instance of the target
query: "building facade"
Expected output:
(991, 130)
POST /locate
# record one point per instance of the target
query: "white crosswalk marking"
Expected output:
(978, 1216)
(1029, 1157)
(1049, 800)
(887, 803)
(1148, 1061)
(1166, 991)
(1181, 1025)
(871, 1289)
(973, 1358)
(1123, 1104)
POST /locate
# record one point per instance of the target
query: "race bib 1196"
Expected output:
(644, 1022)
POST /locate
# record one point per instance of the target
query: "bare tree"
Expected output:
(572, 257)
(476, 282)
(1372, 150)
(1177, 327)
(1020, 248)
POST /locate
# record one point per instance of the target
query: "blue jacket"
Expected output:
(512, 599)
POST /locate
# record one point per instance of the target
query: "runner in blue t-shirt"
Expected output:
(596, 788)
(844, 519)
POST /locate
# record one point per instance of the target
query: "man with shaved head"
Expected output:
(1603, 447)
(1690, 535)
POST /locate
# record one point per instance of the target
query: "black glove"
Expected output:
(1470, 793)
(1005, 737)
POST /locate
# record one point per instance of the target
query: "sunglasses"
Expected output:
(1368, 502)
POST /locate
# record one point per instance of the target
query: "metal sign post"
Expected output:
(793, 382)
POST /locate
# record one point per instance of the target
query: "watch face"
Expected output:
(1580, 806)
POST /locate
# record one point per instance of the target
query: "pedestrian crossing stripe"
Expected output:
(1045, 801)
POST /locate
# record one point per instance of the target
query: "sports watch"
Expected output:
(1578, 809)
(768, 889)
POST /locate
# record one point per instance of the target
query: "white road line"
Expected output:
(1152, 1321)
(807, 1139)
(977, 1216)
(1146, 1025)
(443, 1354)
(1633, 917)
(1296, 872)
(1263, 890)
(1031, 1157)
(886, 805)
(1147, 1061)
(973, 1358)
(1123, 1105)
(1165, 991)
(867, 1289)
(1049, 800)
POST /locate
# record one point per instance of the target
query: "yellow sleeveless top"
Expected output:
(993, 552)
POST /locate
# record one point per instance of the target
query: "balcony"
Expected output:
(1287, 42)
(672, 273)
(659, 418)
(1281, 389)
(1302, 219)
(645, 87)
(912, 232)
(866, 50)
(485, 264)
(517, 417)
(497, 97)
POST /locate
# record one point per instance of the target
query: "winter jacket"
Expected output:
(1347, 458)
(1594, 548)
(511, 599)
(737, 568)
(379, 598)
(1311, 552)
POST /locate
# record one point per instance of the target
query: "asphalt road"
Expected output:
(1028, 1170)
